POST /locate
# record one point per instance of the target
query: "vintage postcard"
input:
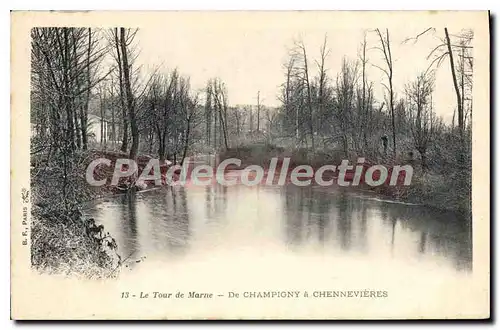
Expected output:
(250, 165)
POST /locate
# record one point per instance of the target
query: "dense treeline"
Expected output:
(65, 70)
(341, 113)
(77, 72)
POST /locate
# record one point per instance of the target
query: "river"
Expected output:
(172, 223)
(247, 239)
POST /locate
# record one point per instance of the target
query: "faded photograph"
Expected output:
(277, 158)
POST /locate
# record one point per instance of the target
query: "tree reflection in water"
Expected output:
(163, 223)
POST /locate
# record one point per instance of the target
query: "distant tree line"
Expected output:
(159, 113)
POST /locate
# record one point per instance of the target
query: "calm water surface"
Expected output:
(171, 224)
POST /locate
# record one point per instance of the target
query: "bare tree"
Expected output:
(364, 108)
(300, 48)
(258, 111)
(239, 115)
(208, 112)
(64, 66)
(287, 96)
(455, 83)
(421, 115)
(345, 91)
(219, 95)
(112, 108)
(446, 48)
(385, 48)
(189, 108)
(124, 43)
(102, 96)
(322, 77)
(125, 126)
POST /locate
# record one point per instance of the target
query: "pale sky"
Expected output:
(248, 51)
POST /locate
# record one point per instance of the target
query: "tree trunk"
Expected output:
(102, 119)
(70, 133)
(76, 85)
(224, 131)
(364, 119)
(215, 127)
(186, 142)
(309, 99)
(393, 118)
(423, 157)
(77, 129)
(113, 128)
(87, 99)
(130, 99)
(258, 111)
(455, 84)
(161, 146)
(122, 96)
(151, 137)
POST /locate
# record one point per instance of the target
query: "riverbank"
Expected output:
(446, 192)
(65, 243)
(63, 240)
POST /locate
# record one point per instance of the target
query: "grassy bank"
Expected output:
(62, 240)
(261, 154)
(447, 191)
(63, 243)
